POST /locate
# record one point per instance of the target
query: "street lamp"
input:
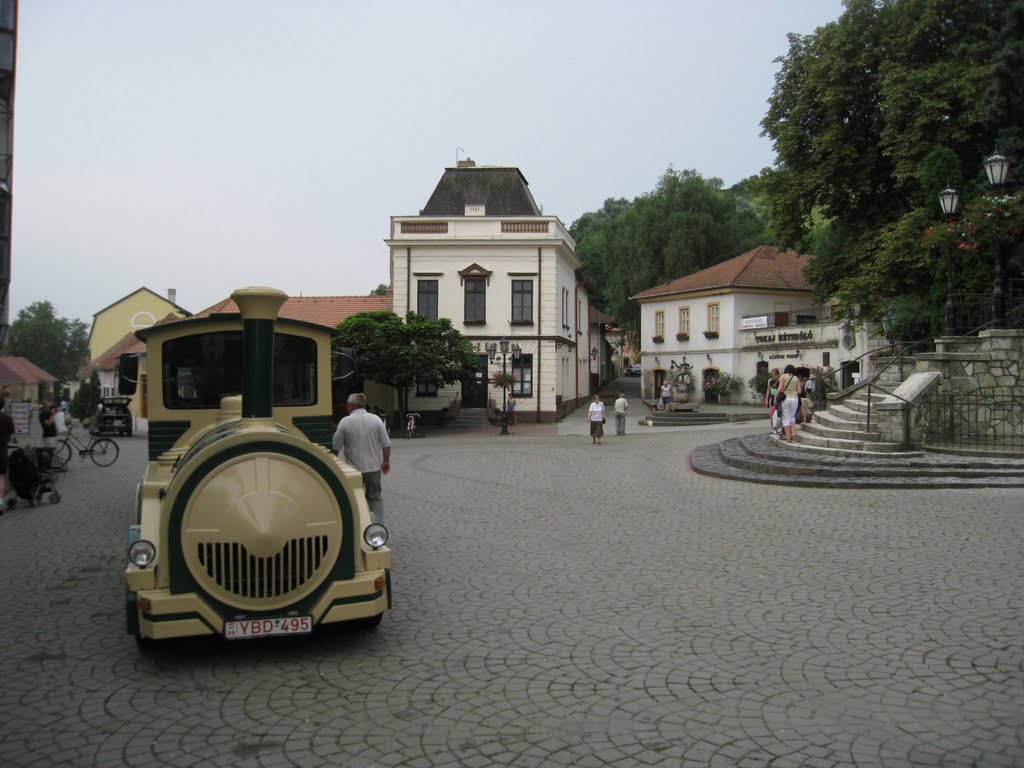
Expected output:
(492, 353)
(948, 200)
(996, 168)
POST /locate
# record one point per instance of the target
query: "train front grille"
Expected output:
(230, 566)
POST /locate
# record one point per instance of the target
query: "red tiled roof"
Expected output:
(18, 370)
(325, 310)
(764, 267)
(107, 361)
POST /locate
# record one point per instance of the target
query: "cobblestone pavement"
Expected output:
(556, 604)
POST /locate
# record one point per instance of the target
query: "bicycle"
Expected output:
(102, 450)
(410, 424)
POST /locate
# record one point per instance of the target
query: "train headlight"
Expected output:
(142, 553)
(376, 535)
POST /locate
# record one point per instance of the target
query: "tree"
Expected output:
(686, 224)
(58, 345)
(380, 290)
(84, 401)
(404, 354)
(867, 116)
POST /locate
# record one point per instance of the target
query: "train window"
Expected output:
(199, 370)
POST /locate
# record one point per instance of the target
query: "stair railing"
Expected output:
(900, 354)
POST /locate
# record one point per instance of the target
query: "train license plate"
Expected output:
(286, 625)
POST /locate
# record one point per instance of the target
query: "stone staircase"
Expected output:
(686, 418)
(470, 418)
(766, 459)
(845, 427)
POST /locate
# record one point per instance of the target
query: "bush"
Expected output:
(722, 385)
(759, 384)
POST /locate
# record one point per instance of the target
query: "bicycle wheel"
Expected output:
(61, 455)
(104, 452)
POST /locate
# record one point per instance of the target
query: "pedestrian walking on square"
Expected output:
(595, 415)
(621, 406)
(790, 390)
(364, 443)
(666, 395)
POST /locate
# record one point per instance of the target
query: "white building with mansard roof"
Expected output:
(482, 254)
(747, 314)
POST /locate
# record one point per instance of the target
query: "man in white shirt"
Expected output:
(363, 442)
(621, 406)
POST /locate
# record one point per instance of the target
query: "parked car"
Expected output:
(633, 370)
(112, 417)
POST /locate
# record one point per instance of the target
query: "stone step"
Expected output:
(816, 427)
(758, 459)
(863, 443)
(838, 417)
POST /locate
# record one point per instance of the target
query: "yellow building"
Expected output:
(128, 314)
(112, 324)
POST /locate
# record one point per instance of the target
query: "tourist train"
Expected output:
(246, 525)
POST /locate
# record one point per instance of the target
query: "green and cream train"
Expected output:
(246, 524)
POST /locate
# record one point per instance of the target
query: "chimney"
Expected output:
(259, 307)
(172, 295)
(467, 163)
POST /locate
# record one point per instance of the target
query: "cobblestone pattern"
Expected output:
(556, 604)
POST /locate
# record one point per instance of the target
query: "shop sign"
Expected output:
(749, 323)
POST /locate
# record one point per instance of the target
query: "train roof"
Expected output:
(207, 319)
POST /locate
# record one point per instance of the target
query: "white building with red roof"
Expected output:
(748, 314)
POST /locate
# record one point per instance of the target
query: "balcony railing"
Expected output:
(808, 316)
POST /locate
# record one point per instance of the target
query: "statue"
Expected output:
(682, 382)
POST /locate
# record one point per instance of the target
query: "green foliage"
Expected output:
(717, 386)
(84, 401)
(686, 224)
(758, 384)
(403, 354)
(380, 290)
(871, 117)
(58, 345)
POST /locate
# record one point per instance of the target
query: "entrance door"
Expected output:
(474, 390)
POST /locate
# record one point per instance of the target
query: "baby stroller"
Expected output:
(31, 475)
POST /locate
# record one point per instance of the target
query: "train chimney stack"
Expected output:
(259, 307)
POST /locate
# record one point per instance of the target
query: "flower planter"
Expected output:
(657, 339)
(710, 334)
(682, 337)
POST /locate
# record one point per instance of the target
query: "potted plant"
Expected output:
(503, 380)
(682, 337)
(657, 339)
(710, 334)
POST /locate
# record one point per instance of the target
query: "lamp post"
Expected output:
(948, 200)
(996, 168)
(492, 353)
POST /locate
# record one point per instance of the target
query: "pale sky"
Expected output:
(204, 145)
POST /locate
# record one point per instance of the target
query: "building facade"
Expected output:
(139, 309)
(749, 314)
(482, 254)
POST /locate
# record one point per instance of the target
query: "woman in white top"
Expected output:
(596, 418)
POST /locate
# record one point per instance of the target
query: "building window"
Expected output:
(426, 390)
(826, 359)
(523, 370)
(426, 298)
(684, 321)
(659, 324)
(714, 314)
(476, 300)
(522, 301)
(565, 308)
